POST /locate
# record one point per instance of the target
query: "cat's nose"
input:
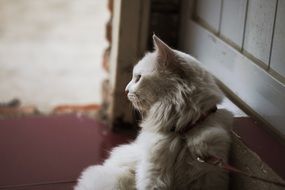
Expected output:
(126, 91)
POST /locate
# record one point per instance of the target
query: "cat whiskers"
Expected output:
(138, 102)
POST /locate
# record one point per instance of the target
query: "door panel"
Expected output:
(233, 20)
(209, 12)
(278, 49)
(259, 28)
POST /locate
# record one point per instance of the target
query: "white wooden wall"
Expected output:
(242, 42)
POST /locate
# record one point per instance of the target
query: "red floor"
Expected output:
(268, 147)
(48, 153)
(35, 152)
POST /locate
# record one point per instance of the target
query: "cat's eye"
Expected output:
(138, 77)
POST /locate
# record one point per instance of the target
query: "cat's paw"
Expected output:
(99, 178)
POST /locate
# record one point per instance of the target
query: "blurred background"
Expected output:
(51, 51)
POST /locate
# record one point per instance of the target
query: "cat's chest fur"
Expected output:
(165, 153)
(164, 149)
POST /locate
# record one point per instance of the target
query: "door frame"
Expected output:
(129, 42)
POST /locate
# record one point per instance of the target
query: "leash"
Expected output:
(219, 162)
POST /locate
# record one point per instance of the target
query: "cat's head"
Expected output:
(168, 76)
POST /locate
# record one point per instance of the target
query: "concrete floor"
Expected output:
(51, 51)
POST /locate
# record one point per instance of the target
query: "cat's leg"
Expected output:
(124, 156)
(116, 173)
(155, 170)
(152, 177)
(101, 178)
(143, 175)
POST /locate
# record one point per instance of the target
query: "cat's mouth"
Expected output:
(137, 102)
(133, 98)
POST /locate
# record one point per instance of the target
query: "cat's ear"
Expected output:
(167, 58)
(162, 48)
(165, 53)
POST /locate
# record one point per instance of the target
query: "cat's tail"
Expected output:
(101, 178)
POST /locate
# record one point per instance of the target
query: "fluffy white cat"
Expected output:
(177, 99)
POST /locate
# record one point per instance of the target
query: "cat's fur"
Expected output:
(171, 91)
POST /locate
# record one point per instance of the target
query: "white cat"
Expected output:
(177, 99)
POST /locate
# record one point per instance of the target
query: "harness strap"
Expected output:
(219, 162)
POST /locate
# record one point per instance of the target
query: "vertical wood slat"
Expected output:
(233, 20)
(208, 11)
(128, 43)
(259, 28)
(277, 62)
